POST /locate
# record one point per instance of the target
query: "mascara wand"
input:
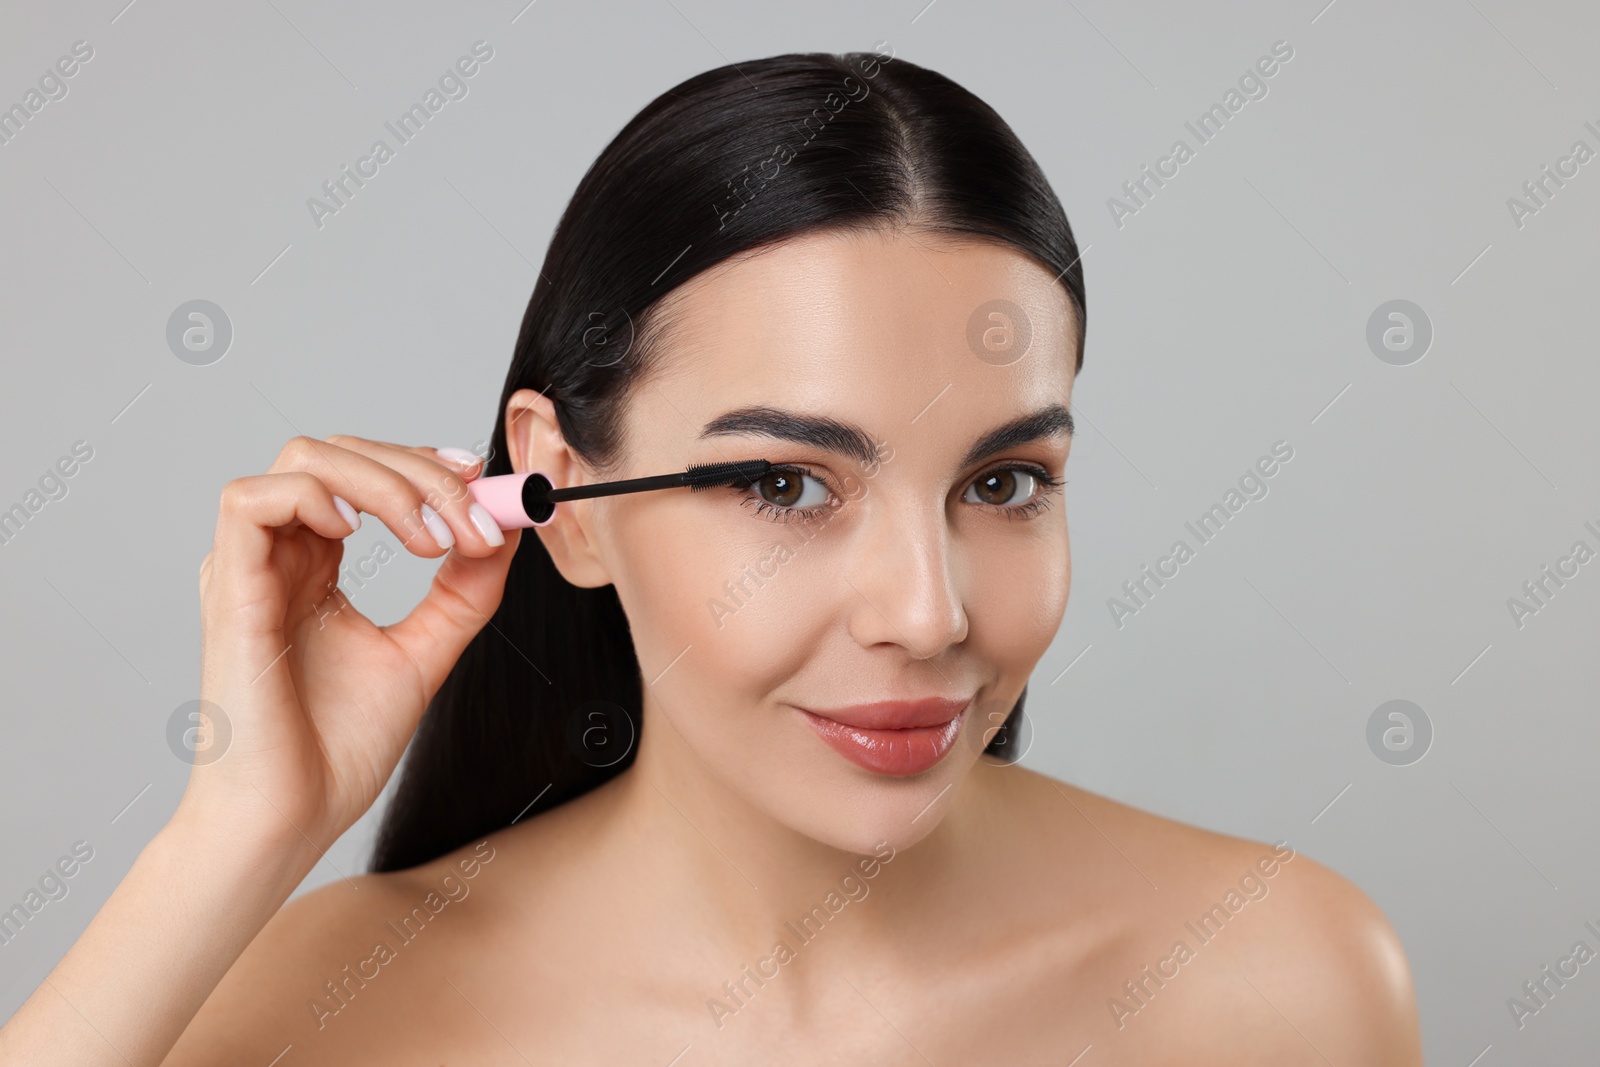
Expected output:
(523, 500)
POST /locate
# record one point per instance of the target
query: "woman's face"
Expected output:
(911, 554)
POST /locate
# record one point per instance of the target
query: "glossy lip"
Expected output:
(893, 737)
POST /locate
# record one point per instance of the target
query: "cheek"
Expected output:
(734, 595)
(1016, 603)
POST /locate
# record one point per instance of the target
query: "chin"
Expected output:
(857, 811)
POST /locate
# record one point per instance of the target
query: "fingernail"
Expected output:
(460, 457)
(348, 513)
(437, 527)
(486, 525)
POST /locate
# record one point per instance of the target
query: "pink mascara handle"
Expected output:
(502, 496)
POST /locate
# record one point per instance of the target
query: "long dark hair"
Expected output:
(726, 162)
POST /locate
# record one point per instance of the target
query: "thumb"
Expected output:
(466, 591)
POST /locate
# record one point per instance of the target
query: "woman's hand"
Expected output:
(320, 702)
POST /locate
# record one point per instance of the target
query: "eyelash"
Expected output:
(1048, 487)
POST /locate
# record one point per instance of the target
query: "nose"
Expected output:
(907, 584)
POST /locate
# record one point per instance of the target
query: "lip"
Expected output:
(893, 737)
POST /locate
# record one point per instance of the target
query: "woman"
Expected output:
(712, 776)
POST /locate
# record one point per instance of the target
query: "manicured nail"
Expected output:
(437, 527)
(460, 457)
(346, 512)
(486, 525)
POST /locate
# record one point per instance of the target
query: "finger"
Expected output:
(463, 461)
(465, 592)
(472, 528)
(252, 512)
(373, 487)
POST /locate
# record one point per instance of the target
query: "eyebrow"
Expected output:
(848, 439)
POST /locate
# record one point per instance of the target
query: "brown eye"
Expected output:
(788, 489)
(1000, 487)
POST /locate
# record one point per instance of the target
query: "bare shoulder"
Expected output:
(1275, 933)
(295, 983)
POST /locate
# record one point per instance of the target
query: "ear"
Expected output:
(534, 439)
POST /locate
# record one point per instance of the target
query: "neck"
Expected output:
(755, 878)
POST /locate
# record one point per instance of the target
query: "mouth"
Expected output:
(892, 737)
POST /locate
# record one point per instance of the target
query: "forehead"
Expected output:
(903, 333)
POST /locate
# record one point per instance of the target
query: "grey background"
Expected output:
(1229, 313)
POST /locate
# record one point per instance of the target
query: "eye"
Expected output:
(788, 488)
(1002, 487)
(787, 493)
(1015, 489)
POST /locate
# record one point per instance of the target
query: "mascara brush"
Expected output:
(523, 500)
